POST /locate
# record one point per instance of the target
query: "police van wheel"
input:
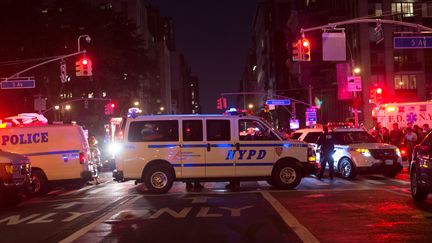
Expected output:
(39, 184)
(347, 169)
(159, 178)
(286, 176)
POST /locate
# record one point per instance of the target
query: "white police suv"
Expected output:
(159, 149)
(356, 151)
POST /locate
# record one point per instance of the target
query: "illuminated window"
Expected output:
(406, 9)
(405, 81)
(378, 9)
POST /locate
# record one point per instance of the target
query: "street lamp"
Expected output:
(162, 108)
(251, 106)
(136, 103)
(87, 38)
(57, 107)
(357, 70)
(68, 107)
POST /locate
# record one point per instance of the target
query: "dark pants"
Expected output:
(324, 159)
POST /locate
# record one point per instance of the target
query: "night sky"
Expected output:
(215, 37)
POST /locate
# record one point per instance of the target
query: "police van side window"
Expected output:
(312, 137)
(192, 130)
(153, 131)
(218, 130)
(255, 130)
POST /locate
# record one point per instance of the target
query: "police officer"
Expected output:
(326, 142)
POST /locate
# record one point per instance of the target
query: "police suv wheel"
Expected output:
(347, 169)
(418, 192)
(159, 178)
(39, 184)
(286, 176)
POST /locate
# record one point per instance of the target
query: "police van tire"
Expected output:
(347, 169)
(39, 184)
(159, 178)
(286, 176)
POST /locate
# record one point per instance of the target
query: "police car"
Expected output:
(356, 151)
(158, 150)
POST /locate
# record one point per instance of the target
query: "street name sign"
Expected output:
(412, 42)
(278, 102)
(18, 84)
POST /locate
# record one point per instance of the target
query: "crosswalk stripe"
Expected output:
(320, 183)
(400, 181)
(373, 181)
(97, 190)
(263, 184)
(74, 192)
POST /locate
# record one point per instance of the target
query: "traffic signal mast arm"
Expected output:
(46, 62)
(356, 21)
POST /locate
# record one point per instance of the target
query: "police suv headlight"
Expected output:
(364, 152)
(114, 148)
(398, 152)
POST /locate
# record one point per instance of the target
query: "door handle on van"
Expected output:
(237, 146)
(208, 146)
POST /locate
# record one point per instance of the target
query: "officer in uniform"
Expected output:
(326, 142)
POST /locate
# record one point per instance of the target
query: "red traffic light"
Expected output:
(379, 91)
(84, 61)
(305, 43)
(112, 105)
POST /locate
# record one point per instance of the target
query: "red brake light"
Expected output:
(82, 158)
(403, 151)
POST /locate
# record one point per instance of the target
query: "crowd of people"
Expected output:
(406, 137)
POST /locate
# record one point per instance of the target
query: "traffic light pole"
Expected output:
(79, 99)
(46, 62)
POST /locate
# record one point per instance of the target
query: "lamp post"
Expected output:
(87, 38)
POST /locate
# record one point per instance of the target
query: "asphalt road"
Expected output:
(370, 208)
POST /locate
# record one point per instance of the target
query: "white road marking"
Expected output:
(374, 182)
(89, 227)
(263, 184)
(401, 181)
(302, 232)
(74, 192)
(97, 190)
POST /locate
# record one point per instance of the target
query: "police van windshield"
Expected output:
(347, 137)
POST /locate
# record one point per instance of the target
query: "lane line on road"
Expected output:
(89, 227)
(301, 231)
(74, 192)
(97, 190)
(374, 182)
(263, 184)
(400, 181)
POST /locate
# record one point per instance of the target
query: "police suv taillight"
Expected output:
(82, 157)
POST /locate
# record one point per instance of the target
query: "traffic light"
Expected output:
(372, 96)
(109, 108)
(305, 50)
(83, 67)
(296, 51)
(376, 95)
(219, 104)
(379, 95)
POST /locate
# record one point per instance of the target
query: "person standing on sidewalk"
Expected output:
(326, 142)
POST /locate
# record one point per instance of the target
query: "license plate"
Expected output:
(389, 162)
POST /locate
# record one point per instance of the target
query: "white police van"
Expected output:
(57, 152)
(159, 149)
